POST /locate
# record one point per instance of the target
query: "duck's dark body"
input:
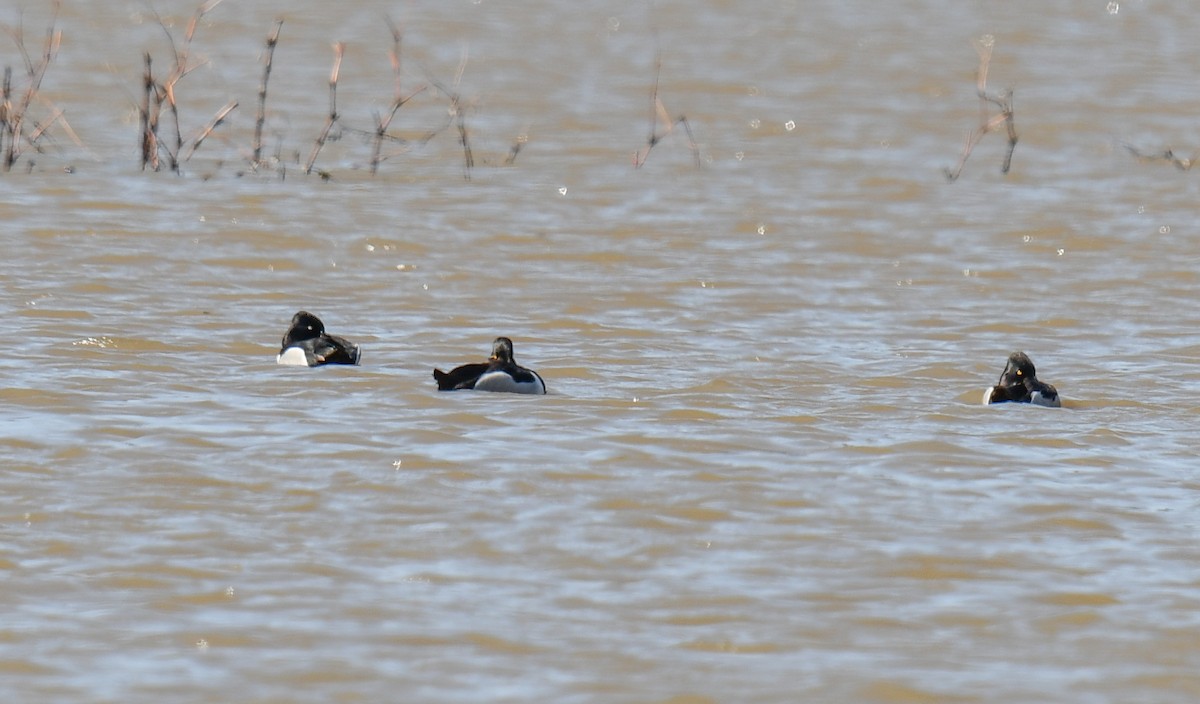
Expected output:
(307, 344)
(499, 373)
(1019, 384)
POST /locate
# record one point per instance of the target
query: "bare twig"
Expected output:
(208, 128)
(163, 93)
(457, 114)
(13, 114)
(272, 40)
(659, 114)
(339, 49)
(1179, 162)
(987, 121)
(517, 145)
(149, 120)
(383, 122)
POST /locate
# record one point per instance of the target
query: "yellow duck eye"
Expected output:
(1020, 373)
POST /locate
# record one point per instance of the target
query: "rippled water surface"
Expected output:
(761, 473)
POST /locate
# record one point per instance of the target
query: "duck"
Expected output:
(498, 373)
(306, 344)
(1019, 384)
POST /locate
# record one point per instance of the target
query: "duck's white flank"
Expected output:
(293, 356)
(502, 381)
(1037, 399)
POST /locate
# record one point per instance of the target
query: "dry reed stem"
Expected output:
(988, 122)
(339, 50)
(272, 41)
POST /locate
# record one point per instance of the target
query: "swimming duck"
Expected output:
(499, 373)
(1019, 384)
(307, 345)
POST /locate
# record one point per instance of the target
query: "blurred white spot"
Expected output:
(1026, 238)
(635, 399)
(562, 191)
(370, 248)
(425, 286)
(739, 156)
(397, 464)
(789, 125)
(1061, 251)
(614, 24)
(1164, 230)
(762, 229)
(202, 219)
(987, 40)
(202, 645)
(966, 272)
(101, 342)
(1141, 209)
(754, 124)
(885, 143)
(229, 592)
(405, 267)
(1113, 8)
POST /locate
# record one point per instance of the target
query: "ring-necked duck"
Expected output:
(307, 345)
(1019, 384)
(499, 373)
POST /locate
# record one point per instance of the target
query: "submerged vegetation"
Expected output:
(988, 122)
(21, 100)
(170, 134)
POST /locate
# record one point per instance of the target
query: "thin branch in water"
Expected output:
(339, 50)
(213, 124)
(382, 122)
(148, 120)
(164, 92)
(517, 145)
(659, 114)
(272, 40)
(987, 121)
(13, 114)
(1179, 162)
(456, 114)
